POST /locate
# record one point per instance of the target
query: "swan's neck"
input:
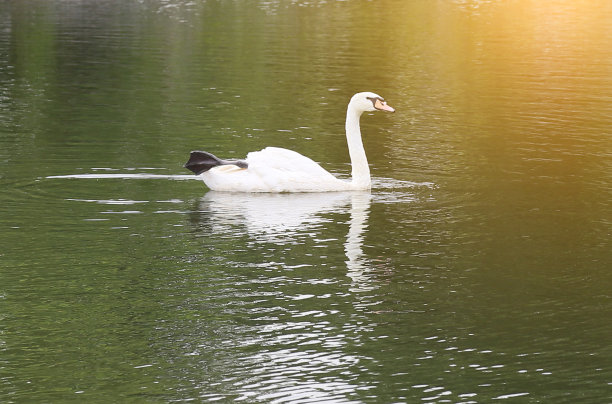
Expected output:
(359, 162)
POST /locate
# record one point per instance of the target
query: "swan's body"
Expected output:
(275, 169)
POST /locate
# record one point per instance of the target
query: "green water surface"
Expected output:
(477, 268)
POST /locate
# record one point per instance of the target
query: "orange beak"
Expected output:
(382, 105)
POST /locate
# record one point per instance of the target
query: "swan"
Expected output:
(275, 169)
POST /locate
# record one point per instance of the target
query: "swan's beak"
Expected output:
(382, 105)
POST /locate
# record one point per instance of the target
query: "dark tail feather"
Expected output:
(199, 162)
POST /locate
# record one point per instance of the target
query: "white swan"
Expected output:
(280, 170)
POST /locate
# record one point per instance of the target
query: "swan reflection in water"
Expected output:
(286, 218)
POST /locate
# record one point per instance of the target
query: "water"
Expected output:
(477, 268)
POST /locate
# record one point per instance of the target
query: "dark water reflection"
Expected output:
(476, 269)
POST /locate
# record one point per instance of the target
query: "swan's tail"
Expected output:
(199, 162)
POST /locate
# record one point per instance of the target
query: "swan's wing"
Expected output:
(285, 170)
(288, 161)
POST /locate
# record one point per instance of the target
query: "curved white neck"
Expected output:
(359, 162)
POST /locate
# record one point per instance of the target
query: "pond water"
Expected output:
(477, 268)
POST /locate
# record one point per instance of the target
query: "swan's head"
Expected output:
(368, 102)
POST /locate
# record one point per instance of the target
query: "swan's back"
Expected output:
(287, 161)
